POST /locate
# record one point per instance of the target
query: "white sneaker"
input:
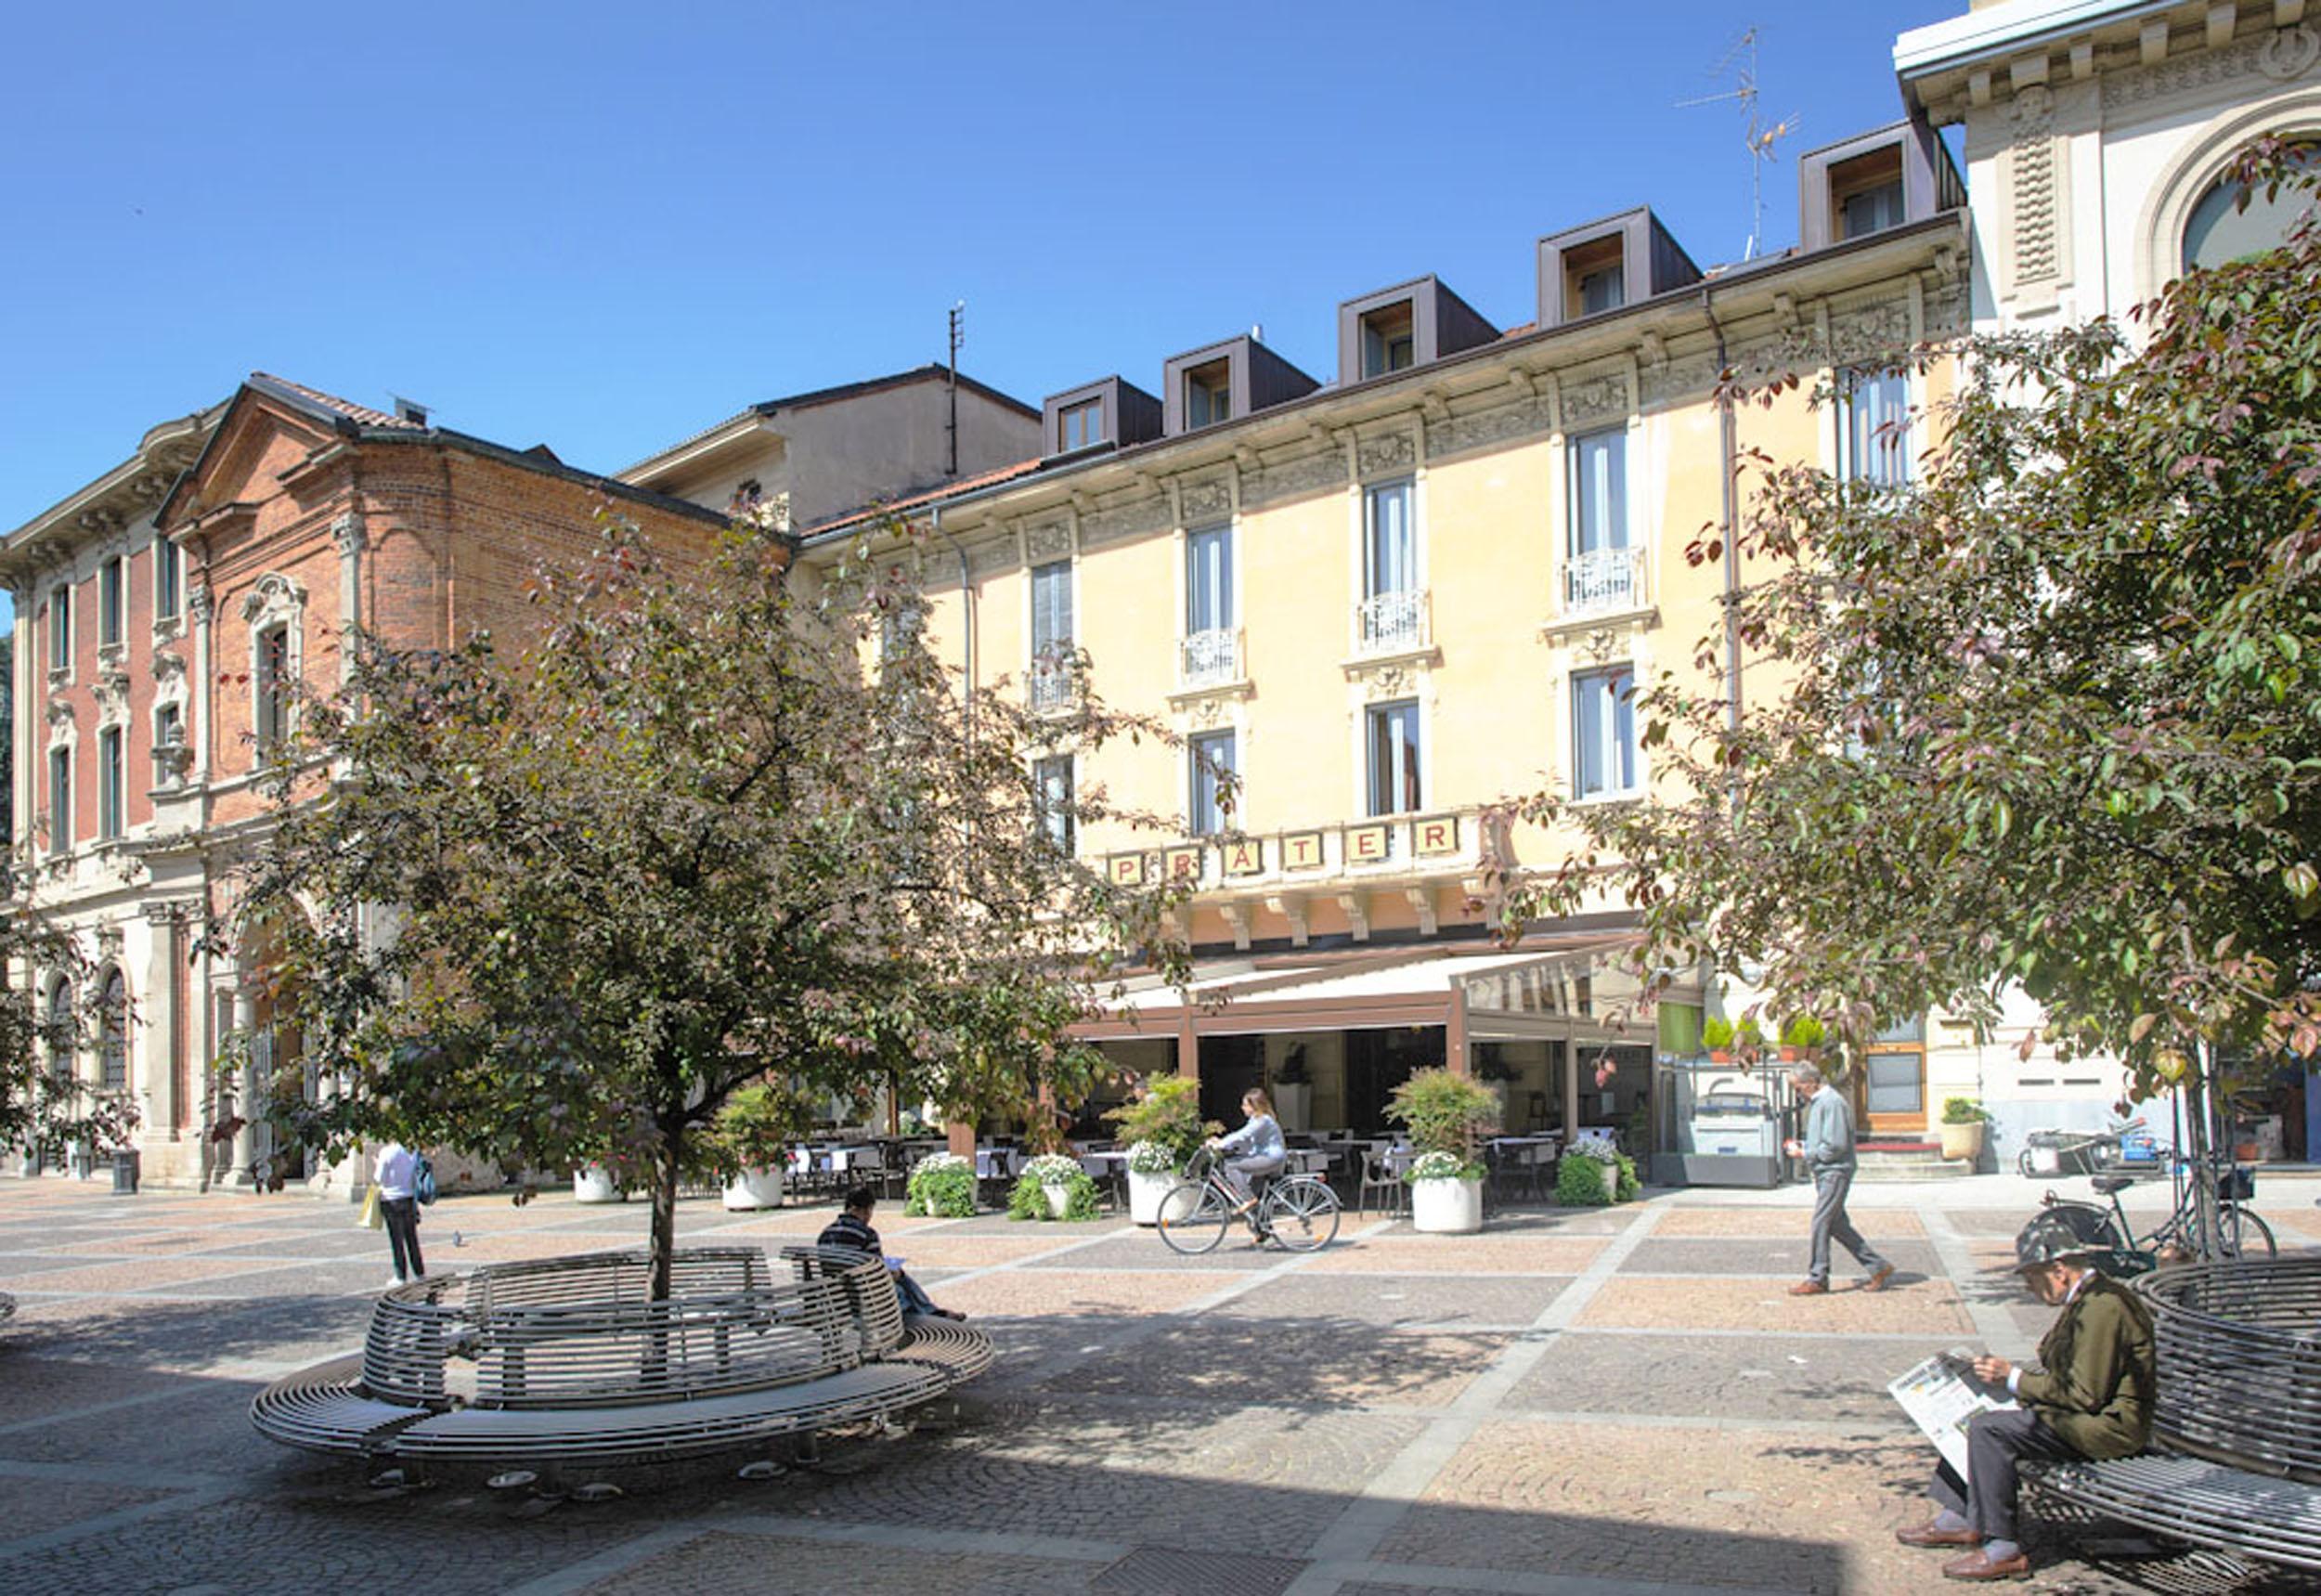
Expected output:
(394, 1280)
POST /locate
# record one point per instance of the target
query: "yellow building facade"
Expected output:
(1387, 602)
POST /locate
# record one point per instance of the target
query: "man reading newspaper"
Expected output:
(2090, 1397)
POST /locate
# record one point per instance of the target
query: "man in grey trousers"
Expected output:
(1828, 1152)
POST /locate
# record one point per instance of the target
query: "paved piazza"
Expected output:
(1570, 1404)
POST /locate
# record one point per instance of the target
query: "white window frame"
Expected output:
(1194, 768)
(1579, 682)
(1371, 716)
(1899, 454)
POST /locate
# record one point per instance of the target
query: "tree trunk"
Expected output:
(664, 1244)
(2208, 1237)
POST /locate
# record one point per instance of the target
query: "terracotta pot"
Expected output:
(1720, 1056)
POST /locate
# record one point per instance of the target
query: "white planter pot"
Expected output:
(1060, 1197)
(1446, 1207)
(1144, 1192)
(1612, 1183)
(594, 1183)
(1294, 1106)
(753, 1188)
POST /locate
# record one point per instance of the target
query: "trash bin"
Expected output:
(125, 1173)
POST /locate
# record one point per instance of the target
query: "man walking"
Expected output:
(1828, 1152)
(396, 1174)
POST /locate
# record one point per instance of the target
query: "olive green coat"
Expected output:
(2096, 1375)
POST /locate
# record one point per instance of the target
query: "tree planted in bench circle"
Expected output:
(716, 825)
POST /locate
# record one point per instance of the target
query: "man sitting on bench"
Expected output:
(2090, 1399)
(852, 1228)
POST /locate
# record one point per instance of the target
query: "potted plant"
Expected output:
(753, 1131)
(942, 1183)
(1716, 1036)
(595, 1183)
(1963, 1119)
(1594, 1172)
(1164, 1114)
(1053, 1186)
(1800, 1036)
(1748, 1038)
(1293, 1090)
(1445, 1112)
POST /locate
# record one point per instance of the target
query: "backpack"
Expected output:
(422, 1178)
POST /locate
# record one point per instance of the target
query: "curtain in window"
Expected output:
(1599, 491)
(61, 1030)
(1053, 779)
(112, 1039)
(1211, 758)
(1393, 759)
(1604, 719)
(1208, 580)
(1391, 553)
(1878, 438)
(1052, 610)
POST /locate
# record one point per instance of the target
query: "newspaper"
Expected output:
(1942, 1396)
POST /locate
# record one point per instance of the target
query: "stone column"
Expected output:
(245, 1087)
(348, 534)
(199, 710)
(163, 1034)
(1571, 1088)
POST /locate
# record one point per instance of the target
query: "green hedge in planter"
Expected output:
(1027, 1197)
(1579, 1180)
(942, 1185)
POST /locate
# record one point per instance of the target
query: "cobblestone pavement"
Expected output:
(1571, 1404)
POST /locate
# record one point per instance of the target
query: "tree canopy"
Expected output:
(2051, 713)
(717, 826)
(46, 1104)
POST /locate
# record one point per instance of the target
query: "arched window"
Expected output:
(112, 1033)
(2220, 232)
(58, 1026)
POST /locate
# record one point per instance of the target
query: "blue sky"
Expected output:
(604, 227)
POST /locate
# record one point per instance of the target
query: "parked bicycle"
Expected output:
(2075, 1152)
(1298, 1211)
(2241, 1231)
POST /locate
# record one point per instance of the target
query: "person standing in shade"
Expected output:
(395, 1173)
(1828, 1150)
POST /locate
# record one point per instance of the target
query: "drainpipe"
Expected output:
(966, 607)
(1727, 451)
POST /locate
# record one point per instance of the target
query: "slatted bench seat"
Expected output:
(2236, 1423)
(568, 1360)
(7, 1307)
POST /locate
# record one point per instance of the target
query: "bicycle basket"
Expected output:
(2236, 1184)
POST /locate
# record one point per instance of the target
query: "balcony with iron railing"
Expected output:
(1052, 686)
(1604, 580)
(1211, 658)
(1393, 622)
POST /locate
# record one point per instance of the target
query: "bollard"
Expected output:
(125, 1173)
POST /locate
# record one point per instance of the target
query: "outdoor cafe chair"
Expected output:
(1377, 1177)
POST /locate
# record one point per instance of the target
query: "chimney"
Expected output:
(410, 411)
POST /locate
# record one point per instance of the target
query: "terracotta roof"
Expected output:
(347, 407)
(948, 490)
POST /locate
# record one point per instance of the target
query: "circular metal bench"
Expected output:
(7, 1307)
(2238, 1416)
(568, 1360)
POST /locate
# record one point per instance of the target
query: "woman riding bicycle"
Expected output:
(1256, 1147)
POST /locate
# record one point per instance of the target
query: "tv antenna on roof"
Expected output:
(959, 336)
(1739, 64)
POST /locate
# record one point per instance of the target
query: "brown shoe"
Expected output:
(1877, 1281)
(1810, 1289)
(1931, 1533)
(1978, 1566)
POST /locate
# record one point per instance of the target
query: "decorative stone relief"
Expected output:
(60, 712)
(273, 594)
(1394, 451)
(1869, 331)
(1947, 310)
(1048, 540)
(1144, 516)
(1680, 379)
(1387, 680)
(2289, 53)
(2031, 174)
(1205, 499)
(996, 554)
(348, 534)
(1478, 429)
(1311, 474)
(200, 605)
(1206, 713)
(1594, 398)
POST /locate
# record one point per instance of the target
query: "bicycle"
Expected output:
(2242, 1232)
(1298, 1211)
(2075, 1152)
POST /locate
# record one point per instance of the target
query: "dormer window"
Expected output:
(1079, 426)
(1209, 394)
(1595, 279)
(1866, 192)
(1388, 341)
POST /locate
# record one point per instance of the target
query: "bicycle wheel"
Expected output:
(2245, 1233)
(1302, 1214)
(1193, 1218)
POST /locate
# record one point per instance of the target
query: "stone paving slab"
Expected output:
(1612, 1502)
(367, 1277)
(19, 1268)
(944, 1250)
(33, 1387)
(207, 1431)
(1407, 1253)
(1705, 1222)
(726, 1562)
(1801, 1380)
(1019, 1291)
(52, 1504)
(1783, 1257)
(139, 1275)
(1930, 1307)
(1397, 1300)
(1146, 1250)
(1222, 1359)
